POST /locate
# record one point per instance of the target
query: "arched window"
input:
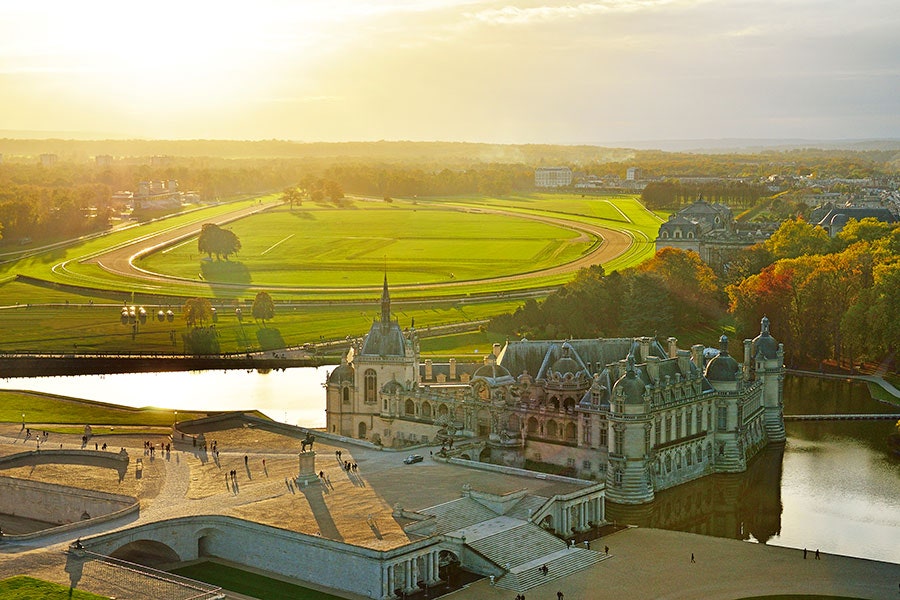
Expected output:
(532, 425)
(442, 410)
(371, 387)
(551, 429)
(409, 408)
(426, 410)
(345, 395)
(513, 423)
(690, 235)
(362, 431)
(677, 234)
(571, 432)
(554, 403)
(569, 404)
(665, 235)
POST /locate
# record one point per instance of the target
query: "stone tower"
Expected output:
(768, 359)
(630, 423)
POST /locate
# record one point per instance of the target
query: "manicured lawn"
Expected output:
(251, 584)
(313, 246)
(40, 408)
(81, 327)
(29, 588)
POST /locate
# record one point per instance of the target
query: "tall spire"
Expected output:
(385, 303)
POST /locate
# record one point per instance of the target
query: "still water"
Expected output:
(833, 485)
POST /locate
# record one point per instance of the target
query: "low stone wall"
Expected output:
(474, 464)
(59, 504)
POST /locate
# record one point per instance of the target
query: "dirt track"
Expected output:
(120, 261)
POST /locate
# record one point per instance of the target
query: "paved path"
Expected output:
(654, 564)
(875, 379)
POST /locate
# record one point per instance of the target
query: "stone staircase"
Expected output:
(523, 550)
(559, 564)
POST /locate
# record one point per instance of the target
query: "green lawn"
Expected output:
(44, 409)
(319, 247)
(251, 584)
(81, 327)
(442, 240)
(29, 588)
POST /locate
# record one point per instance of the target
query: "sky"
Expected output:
(504, 71)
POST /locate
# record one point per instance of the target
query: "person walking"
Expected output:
(804, 554)
(692, 558)
(817, 554)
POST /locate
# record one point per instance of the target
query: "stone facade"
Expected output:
(710, 230)
(628, 411)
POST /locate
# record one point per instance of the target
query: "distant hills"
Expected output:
(70, 146)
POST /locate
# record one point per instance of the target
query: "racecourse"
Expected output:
(450, 260)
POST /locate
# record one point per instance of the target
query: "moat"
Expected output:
(832, 485)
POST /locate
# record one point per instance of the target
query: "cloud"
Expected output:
(515, 15)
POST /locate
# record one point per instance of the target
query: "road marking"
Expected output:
(266, 251)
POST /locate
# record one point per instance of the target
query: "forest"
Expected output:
(827, 299)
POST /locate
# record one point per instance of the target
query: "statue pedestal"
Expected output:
(307, 468)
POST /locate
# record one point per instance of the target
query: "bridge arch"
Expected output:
(149, 553)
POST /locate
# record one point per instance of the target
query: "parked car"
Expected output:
(413, 458)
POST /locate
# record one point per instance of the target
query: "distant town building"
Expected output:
(641, 416)
(832, 218)
(709, 229)
(103, 160)
(552, 177)
(48, 160)
(157, 195)
(633, 174)
(159, 161)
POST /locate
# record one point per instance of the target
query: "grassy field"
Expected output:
(29, 588)
(47, 409)
(83, 327)
(417, 240)
(251, 584)
(322, 247)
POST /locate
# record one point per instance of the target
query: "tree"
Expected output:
(263, 307)
(797, 238)
(868, 230)
(691, 283)
(292, 194)
(196, 312)
(215, 240)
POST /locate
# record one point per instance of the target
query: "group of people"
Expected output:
(818, 557)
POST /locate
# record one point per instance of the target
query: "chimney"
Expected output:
(673, 347)
(697, 355)
(684, 362)
(497, 348)
(645, 348)
(429, 371)
(452, 368)
(653, 369)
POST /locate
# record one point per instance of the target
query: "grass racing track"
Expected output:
(616, 232)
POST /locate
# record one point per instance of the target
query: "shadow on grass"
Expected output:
(269, 339)
(225, 271)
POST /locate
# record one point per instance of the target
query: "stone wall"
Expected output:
(54, 503)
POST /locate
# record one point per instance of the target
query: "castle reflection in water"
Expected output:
(742, 506)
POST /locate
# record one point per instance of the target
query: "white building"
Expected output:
(552, 177)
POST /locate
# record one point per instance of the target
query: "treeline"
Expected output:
(674, 195)
(34, 211)
(845, 164)
(832, 298)
(826, 298)
(673, 290)
(388, 181)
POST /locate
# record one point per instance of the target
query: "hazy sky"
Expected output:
(466, 70)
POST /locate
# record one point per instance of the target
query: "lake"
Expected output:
(833, 485)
